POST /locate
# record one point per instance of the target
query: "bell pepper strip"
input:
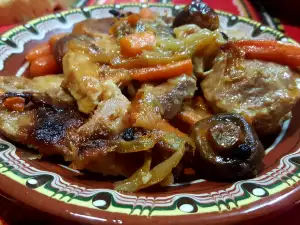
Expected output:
(38, 51)
(134, 44)
(269, 50)
(43, 66)
(14, 104)
(163, 71)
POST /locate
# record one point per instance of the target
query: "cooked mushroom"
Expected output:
(61, 46)
(93, 27)
(227, 148)
(197, 13)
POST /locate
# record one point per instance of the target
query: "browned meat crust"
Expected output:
(103, 156)
(262, 92)
(51, 131)
(46, 89)
(172, 93)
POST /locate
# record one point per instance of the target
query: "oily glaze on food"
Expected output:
(134, 96)
(227, 147)
(263, 92)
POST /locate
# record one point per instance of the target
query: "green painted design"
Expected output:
(61, 18)
(9, 42)
(232, 20)
(86, 12)
(31, 28)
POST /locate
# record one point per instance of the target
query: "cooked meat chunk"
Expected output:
(172, 93)
(116, 156)
(194, 110)
(54, 132)
(262, 92)
(50, 91)
(94, 86)
(51, 131)
(100, 49)
(120, 77)
(157, 26)
(93, 27)
(146, 113)
(17, 126)
(15, 84)
(110, 117)
(88, 82)
(47, 83)
(46, 89)
(82, 80)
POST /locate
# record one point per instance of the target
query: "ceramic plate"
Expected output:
(55, 189)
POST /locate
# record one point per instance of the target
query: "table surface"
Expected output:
(12, 212)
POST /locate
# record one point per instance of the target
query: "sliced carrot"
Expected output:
(14, 103)
(55, 38)
(38, 51)
(43, 66)
(163, 71)
(133, 19)
(134, 44)
(268, 50)
(146, 13)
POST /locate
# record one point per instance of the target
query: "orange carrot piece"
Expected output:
(163, 71)
(14, 104)
(38, 51)
(146, 13)
(274, 51)
(55, 38)
(134, 44)
(133, 19)
(43, 66)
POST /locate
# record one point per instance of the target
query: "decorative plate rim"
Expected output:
(13, 169)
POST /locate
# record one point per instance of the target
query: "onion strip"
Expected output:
(162, 170)
(140, 177)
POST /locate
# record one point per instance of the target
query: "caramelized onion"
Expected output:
(138, 179)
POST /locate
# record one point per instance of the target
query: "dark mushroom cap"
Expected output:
(197, 13)
(227, 148)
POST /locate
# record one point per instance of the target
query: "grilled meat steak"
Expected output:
(51, 131)
(263, 92)
(46, 89)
